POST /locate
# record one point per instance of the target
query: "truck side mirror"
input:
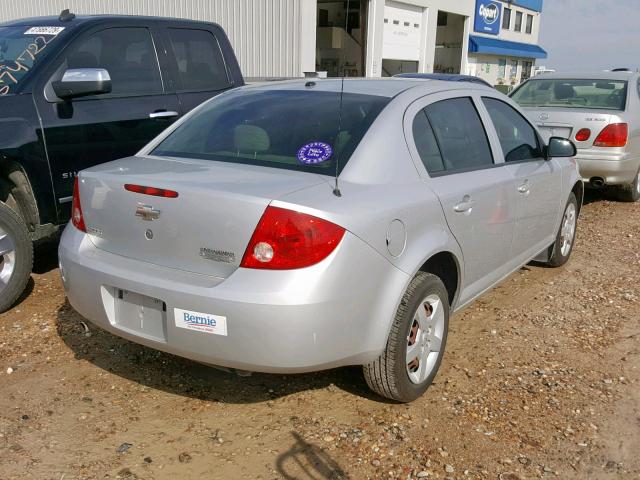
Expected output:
(560, 147)
(81, 82)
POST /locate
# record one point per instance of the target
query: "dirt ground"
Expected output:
(541, 379)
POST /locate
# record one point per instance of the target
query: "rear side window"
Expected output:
(460, 134)
(290, 129)
(518, 139)
(127, 54)
(426, 144)
(199, 59)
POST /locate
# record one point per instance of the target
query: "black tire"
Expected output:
(13, 226)
(631, 192)
(387, 375)
(557, 258)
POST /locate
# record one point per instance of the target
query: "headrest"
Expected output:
(251, 139)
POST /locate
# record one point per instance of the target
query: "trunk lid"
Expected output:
(566, 122)
(204, 230)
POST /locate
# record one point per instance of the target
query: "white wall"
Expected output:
(428, 31)
(271, 38)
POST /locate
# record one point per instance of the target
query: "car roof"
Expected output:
(608, 75)
(452, 77)
(383, 87)
(79, 20)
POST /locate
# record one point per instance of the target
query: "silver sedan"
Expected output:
(601, 113)
(305, 225)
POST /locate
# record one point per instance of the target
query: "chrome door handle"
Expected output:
(163, 114)
(465, 206)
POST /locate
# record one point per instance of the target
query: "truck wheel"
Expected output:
(563, 246)
(16, 257)
(630, 193)
(416, 343)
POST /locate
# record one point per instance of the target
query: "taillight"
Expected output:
(156, 192)
(614, 135)
(285, 240)
(76, 209)
(583, 135)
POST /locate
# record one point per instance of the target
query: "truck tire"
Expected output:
(16, 257)
(631, 192)
(416, 342)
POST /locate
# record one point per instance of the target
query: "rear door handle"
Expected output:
(163, 114)
(465, 206)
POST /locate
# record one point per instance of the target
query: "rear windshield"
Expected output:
(591, 94)
(295, 130)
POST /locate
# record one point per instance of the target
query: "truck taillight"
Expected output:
(76, 209)
(285, 240)
(614, 135)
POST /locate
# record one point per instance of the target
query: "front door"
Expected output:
(538, 182)
(88, 131)
(476, 194)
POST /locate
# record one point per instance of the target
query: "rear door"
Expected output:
(196, 58)
(538, 181)
(88, 131)
(476, 193)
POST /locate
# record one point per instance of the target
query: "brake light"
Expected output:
(156, 192)
(285, 240)
(583, 135)
(614, 135)
(76, 209)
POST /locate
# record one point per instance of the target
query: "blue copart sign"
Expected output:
(488, 17)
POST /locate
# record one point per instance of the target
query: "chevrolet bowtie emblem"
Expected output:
(147, 212)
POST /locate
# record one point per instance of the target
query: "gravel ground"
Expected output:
(540, 380)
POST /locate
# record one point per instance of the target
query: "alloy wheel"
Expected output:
(424, 340)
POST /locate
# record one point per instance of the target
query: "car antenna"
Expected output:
(66, 15)
(336, 187)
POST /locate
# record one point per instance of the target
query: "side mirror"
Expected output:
(560, 147)
(81, 82)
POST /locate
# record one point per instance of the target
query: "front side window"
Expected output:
(20, 50)
(460, 134)
(518, 27)
(199, 59)
(289, 129)
(573, 93)
(127, 54)
(506, 18)
(518, 139)
(529, 27)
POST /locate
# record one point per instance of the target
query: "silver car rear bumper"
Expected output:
(327, 315)
(614, 168)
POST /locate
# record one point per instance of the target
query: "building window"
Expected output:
(518, 27)
(506, 18)
(529, 27)
(442, 19)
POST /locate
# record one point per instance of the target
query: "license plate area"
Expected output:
(140, 314)
(548, 132)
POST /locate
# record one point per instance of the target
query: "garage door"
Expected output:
(402, 31)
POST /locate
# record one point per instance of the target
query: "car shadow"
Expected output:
(45, 255)
(304, 460)
(180, 376)
(592, 195)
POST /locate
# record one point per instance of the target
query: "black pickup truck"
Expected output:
(79, 91)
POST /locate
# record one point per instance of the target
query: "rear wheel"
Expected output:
(630, 193)
(16, 257)
(563, 246)
(416, 343)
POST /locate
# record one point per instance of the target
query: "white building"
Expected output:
(504, 45)
(286, 38)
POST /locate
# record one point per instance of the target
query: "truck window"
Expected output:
(199, 59)
(127, 54)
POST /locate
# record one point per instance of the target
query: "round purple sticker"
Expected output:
(314, 153)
